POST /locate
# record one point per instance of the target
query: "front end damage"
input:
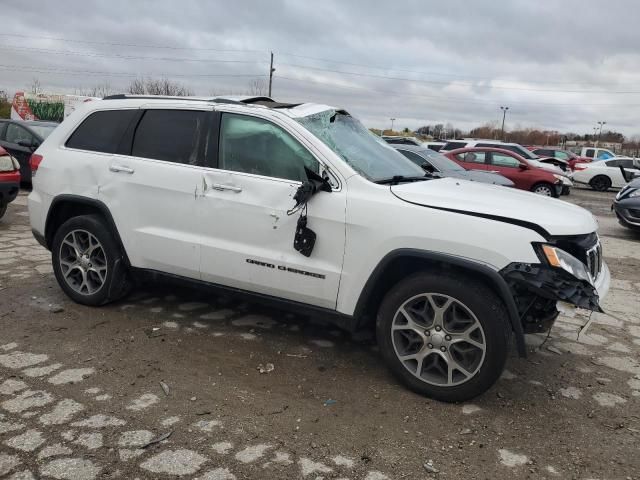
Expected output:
(568, 271)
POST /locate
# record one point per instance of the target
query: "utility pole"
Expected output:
(271, 70)
(504, 114)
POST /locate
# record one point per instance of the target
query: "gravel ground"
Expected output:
(168, 383)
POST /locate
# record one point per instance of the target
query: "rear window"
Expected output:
(169, 135)
(101, 131)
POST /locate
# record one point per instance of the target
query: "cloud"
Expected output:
(558, 65)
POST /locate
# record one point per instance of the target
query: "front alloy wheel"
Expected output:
(544, 189)
(438, 339)
(444, 334)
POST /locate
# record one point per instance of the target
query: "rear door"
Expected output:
(509, 166)
(247, 233)
(151, 186)
(614, 173)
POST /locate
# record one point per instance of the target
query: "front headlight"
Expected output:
(634, 193)
(562, 179)
(558, 258)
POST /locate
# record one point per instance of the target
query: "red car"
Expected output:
(9, 180)
(523, 173)
(555, 152)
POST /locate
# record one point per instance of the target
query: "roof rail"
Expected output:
(231, 99)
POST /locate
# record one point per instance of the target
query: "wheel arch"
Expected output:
(63, 207)
(402, 262)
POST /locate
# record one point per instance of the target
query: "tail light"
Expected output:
(34, 163)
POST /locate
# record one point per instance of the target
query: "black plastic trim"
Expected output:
(346, 322)
(520, 223)
(104, 210)
(39, 238)
(496, 281)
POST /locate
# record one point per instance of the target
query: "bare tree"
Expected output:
(162, 86)
(101, 90)
(258, 87)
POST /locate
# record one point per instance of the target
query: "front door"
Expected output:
(247, 235)
(18, 142)
(509, 167)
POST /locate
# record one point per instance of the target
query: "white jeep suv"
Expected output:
(299, 203)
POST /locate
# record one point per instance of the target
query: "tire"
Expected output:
(3, 209)
(474, 305)
(99, 274)
(546, 189)
(600, 183)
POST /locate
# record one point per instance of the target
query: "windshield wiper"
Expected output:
(396, 179)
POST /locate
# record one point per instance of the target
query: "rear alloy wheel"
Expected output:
(444, 337)
(87, 261)
(601, 183)
(545, 189)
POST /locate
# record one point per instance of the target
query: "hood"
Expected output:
(543, 214)
(479, 176)
(547, 166)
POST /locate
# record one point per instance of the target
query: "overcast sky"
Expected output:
(557, 64)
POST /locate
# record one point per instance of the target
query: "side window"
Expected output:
(253, 145)
(604, 155)
(15, 133)
(562, 155)
(101, 131)
(472, 157)
(500, 160)
(545, 153)
(169, 135)
(415, 158)
(589, 153)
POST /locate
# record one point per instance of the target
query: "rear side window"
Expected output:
(589, 153)
(101, 131)
(169, 135)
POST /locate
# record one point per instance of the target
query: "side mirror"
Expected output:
(524, 166)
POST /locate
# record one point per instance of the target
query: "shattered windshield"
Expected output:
(366, 153)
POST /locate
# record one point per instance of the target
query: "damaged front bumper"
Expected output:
(537, 288)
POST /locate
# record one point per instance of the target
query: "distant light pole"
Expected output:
(595, 132)
(392, 120)
(504, 114)
(600, 132)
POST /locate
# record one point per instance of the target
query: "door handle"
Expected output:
(121, 168)
(221, 187)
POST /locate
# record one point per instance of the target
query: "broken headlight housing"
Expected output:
(558, 258)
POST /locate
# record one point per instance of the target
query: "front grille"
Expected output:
(594, 260)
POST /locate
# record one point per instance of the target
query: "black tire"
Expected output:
(489, 311)
(545, 188)
(116, 282)
(600, 183)
(3, 209)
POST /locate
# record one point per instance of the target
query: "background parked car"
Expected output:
(9, 180)
(21, 138)
(627, 205)
(525, 174)
(399, 140)
(603, 175)
(555, 152)
(435, 146)
(434, 162)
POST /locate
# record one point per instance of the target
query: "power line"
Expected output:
(118, 44)
(125, 57)
(60, 71)
(454, 99)
(369, 75)
(307, 57)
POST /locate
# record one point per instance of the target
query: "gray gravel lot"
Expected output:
(168, 384)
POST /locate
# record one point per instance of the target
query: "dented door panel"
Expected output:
(247, 239)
